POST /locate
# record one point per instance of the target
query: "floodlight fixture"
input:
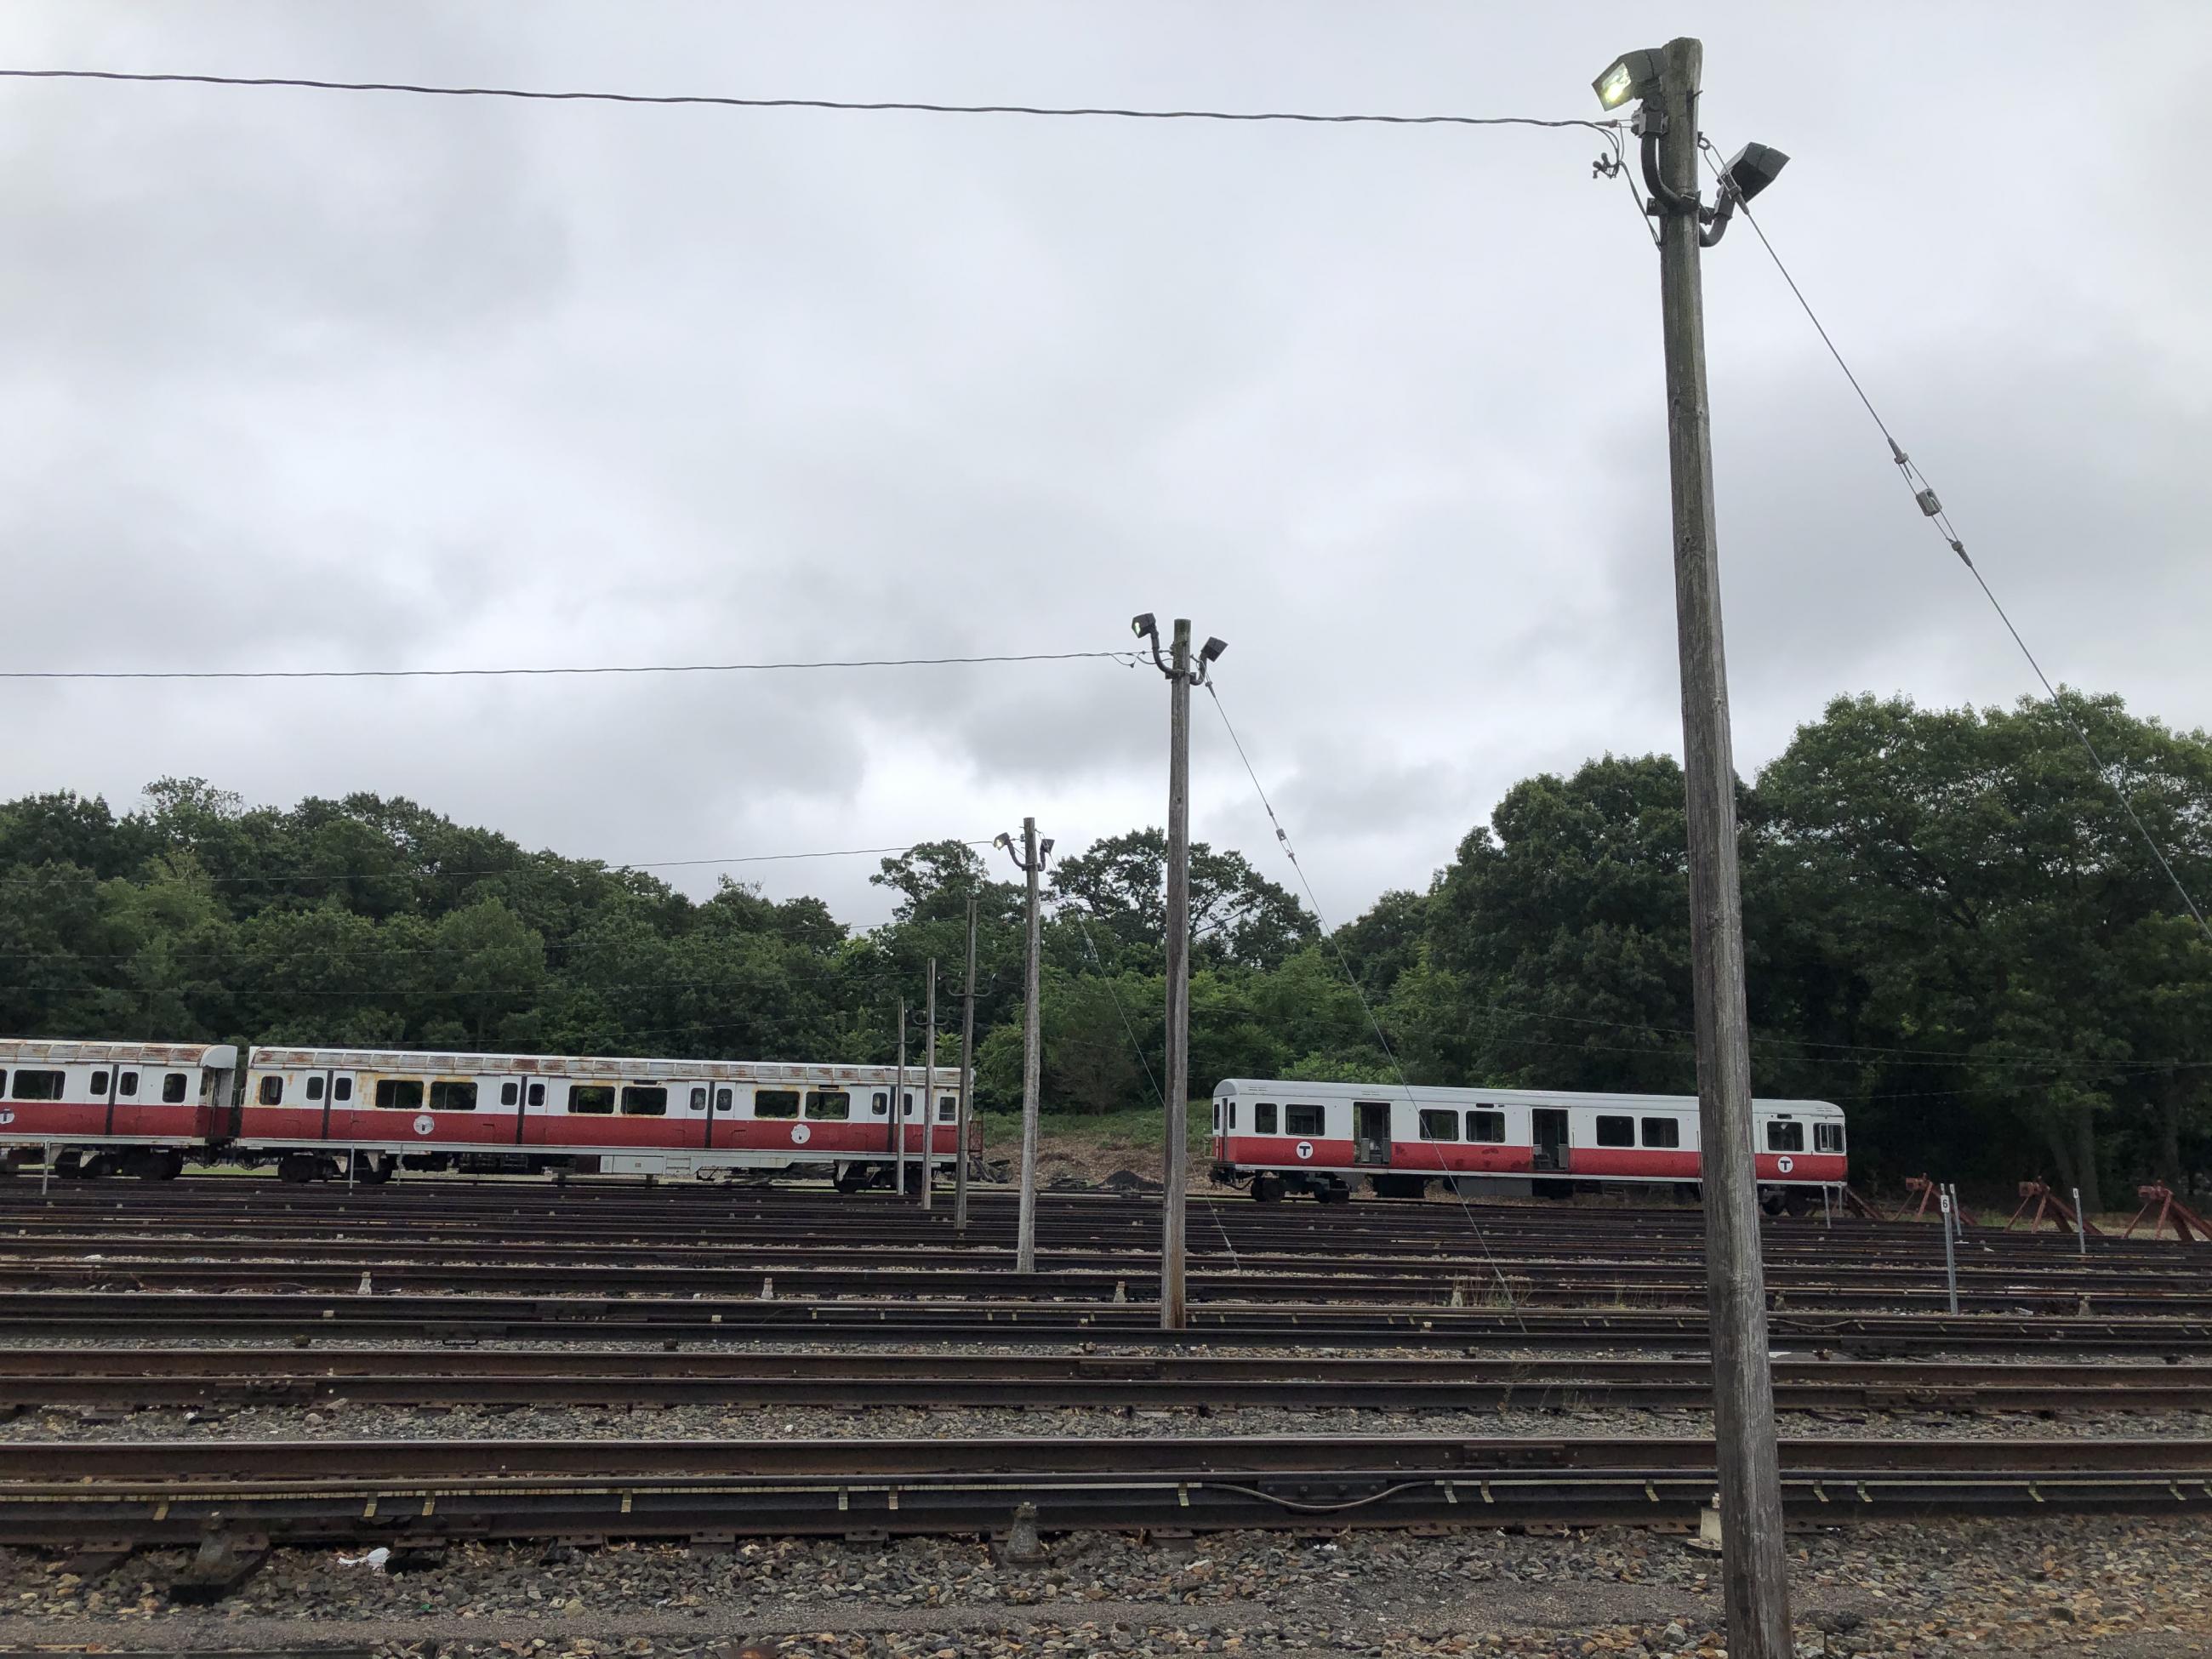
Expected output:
(1632, 75)
(1044, 848)
(1212, 649)
(1753, 168)
(1003, 841)
(1145, 627)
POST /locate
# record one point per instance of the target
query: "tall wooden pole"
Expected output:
(967, 1069)
(1754, 1568)
(1032, 1056)
(1175, 1172)
(929, 1095)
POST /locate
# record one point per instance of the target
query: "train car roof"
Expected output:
(1291, 1090)
(74, 1049)
(409, 1062)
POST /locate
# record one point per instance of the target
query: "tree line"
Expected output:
(1954, 931)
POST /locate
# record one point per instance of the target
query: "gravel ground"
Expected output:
(337, 1419)
(2124, 1588)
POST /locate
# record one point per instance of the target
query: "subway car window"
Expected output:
(1786, 1137)
(100, 1082)
(314, 1088)
(1488, 1127)
(272, 1091)
(828, 1105)
(537, 1094)
(597, 1099)
(1616, 1131)
(172, 1087)
(1437, 1124)
(510, 1093)
(1301, 1120)
(1263, 1117)
(343, 1089)
(1663, 1132)
(449, 1096)
(638, 1101)
(127, 1084)
(400, 1094)
(776, 1102)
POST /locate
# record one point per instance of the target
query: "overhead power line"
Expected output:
(525, 864)
(1123, 657)
(1938, 519)
(907, 106)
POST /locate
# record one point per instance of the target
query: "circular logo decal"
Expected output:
(7, 1117)
(1305, 1149)
(425, 1123)
(801, 1135)
(1785, 1165)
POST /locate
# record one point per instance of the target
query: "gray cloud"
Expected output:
(305, 380)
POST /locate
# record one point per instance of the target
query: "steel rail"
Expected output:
(68, 1253)
(1596, 1287)
(143, 1378)
(50, 1316)
(412, 1491)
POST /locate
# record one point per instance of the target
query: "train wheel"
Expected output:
(297, 1168)
(1266, 1189)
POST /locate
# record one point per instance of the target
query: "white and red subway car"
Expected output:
(1282, 1137)
(319, 1114)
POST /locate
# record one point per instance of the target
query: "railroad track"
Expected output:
(1306, 1281)
(491, 1214)
(133, 1379)
(410, 1492)
(906, 1321)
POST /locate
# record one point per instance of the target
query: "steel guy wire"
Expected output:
(1931, 509)
(1283, 840)
(1137, 1048)
(853, 106)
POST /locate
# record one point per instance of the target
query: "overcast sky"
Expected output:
(301, 379)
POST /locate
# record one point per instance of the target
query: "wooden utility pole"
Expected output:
(1032, 1062)
(967, 1070)
(929, 1095)
(899, 1099)
(1754, 1568)
(1175, 1172)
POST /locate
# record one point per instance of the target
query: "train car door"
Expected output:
(1548, 1124)
(1370, 1131)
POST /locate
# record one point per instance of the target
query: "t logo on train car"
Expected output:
(425, 1124)
(1785, 1165)
(801, 1135)
(1305, 1149)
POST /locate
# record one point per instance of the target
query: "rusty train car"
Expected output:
(315, 1114)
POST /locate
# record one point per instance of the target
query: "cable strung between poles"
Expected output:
(1126, 659)
(849, 106)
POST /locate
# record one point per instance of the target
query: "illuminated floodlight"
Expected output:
(1632, 74)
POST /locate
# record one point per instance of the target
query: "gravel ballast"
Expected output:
(2120, 1588)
